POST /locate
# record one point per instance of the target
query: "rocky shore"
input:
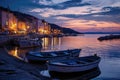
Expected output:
(12, 68)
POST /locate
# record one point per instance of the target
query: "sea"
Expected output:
(108, 50)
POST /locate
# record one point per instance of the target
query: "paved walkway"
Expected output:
(12, 68)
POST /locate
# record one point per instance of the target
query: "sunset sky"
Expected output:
(80, 15)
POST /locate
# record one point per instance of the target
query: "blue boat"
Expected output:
(53, 55)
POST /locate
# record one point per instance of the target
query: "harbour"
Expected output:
(59, 40)
(107, 50)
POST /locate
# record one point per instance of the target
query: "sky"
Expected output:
(80, 15)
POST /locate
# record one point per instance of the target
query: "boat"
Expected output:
(28, 42)
(53, 55)
(73, 64)
(86, 75)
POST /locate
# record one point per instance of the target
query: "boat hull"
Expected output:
(84, 75)
(33, 58)
(71, 69)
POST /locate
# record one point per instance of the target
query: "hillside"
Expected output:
(29, 18)
(64, 30)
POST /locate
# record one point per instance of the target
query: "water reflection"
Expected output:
(51, 43)
(88, 43)
(86, 75)
(17, 52)
(109, 51)
(14, 52)
(48, 45)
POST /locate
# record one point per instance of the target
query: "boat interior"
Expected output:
(51, 54)
(76, 61)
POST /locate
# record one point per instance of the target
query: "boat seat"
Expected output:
(66, 53)
(69, 63)
(58, 63)
(53, 54)
(37, 54)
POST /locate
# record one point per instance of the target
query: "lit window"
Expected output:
(6, 22)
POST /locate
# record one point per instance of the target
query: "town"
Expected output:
(59, 40)
(13, 22)
(16, 25)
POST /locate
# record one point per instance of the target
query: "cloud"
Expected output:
(54, 4)
(50, 2)
(71, 3)
(48, 12)
(71, 13)
(101, 3)
(109, 14)
(59, 4)
(89, 25)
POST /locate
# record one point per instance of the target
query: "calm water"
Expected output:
(108, 50)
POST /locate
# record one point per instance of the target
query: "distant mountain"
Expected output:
(101, 32)
(64, 30)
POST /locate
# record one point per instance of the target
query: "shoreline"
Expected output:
(12, 68)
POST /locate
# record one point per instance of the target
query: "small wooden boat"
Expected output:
(74, 64)
(45, 56)
(86, 75)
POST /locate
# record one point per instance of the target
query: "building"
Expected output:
(0, 20)
(8, 20)
(20, 23)
(3, 18)
(44, 27)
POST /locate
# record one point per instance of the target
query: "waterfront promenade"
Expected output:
(12, 68)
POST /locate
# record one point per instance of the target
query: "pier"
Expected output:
(109, 37)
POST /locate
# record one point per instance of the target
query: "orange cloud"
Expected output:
(91, 25)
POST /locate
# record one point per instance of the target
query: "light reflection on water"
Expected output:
(108, 50)
(51, 43)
